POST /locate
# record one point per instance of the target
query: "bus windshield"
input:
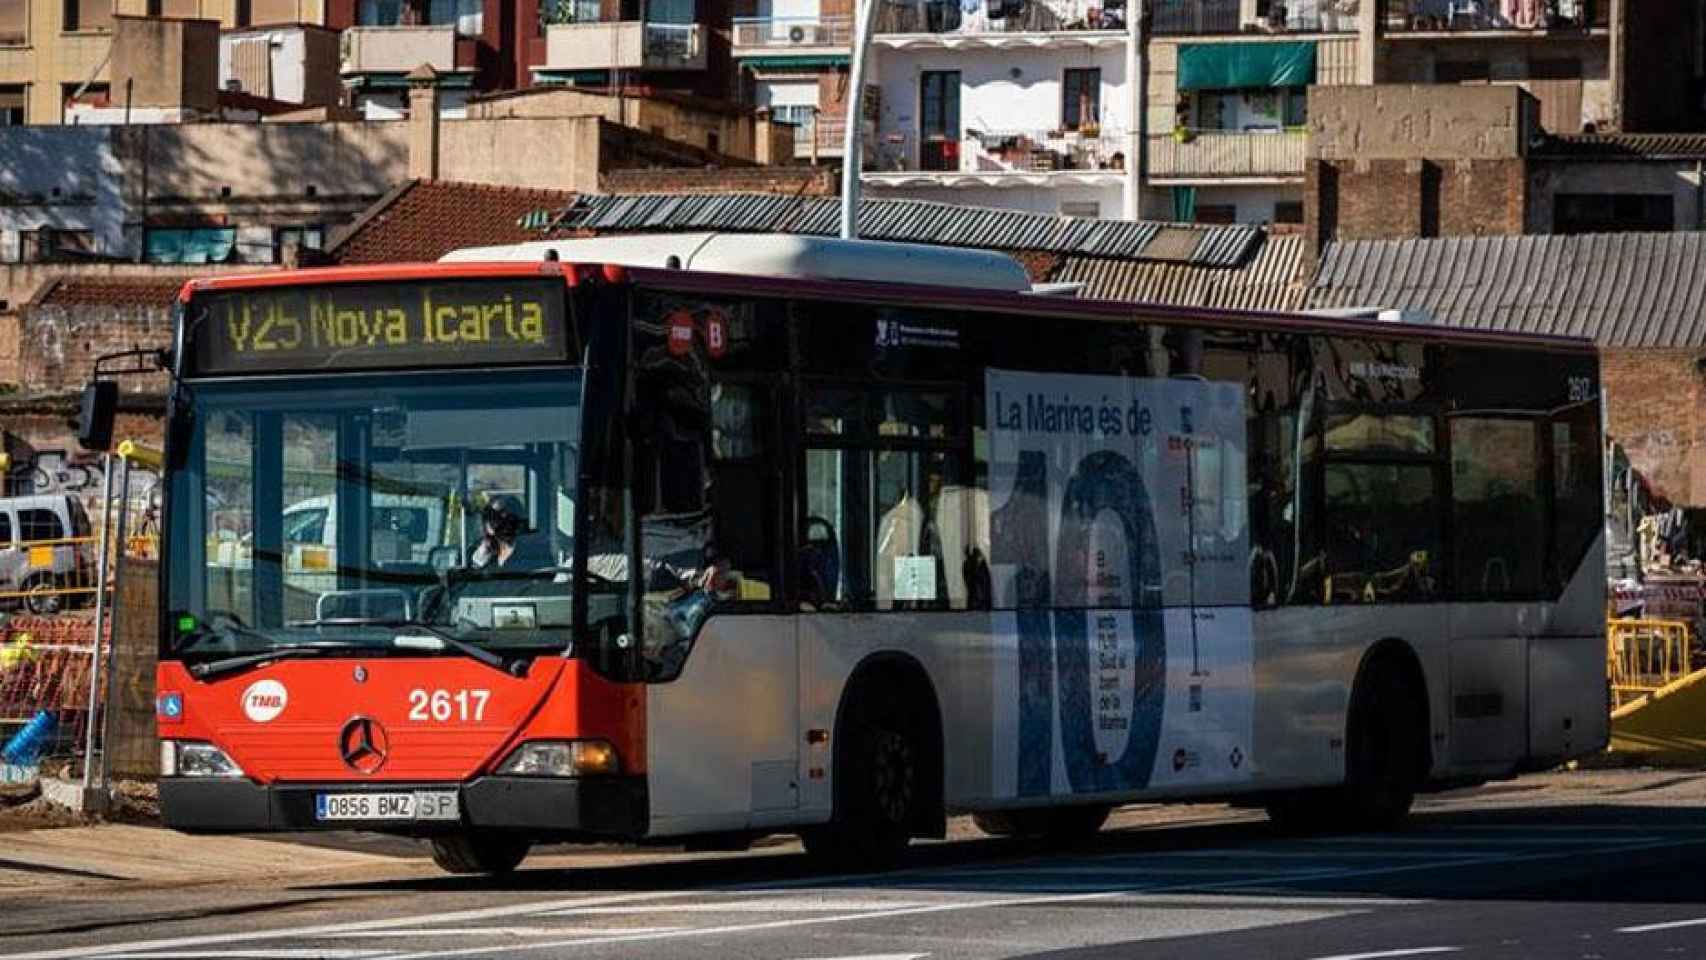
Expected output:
(366, 511)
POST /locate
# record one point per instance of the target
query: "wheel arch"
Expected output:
(1401, 657)
(907, 674)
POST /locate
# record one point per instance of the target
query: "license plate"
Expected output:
(415, 805)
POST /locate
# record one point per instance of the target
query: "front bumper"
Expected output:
(602, 808)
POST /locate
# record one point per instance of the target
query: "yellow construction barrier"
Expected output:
(1645, 655)
(1659, 704)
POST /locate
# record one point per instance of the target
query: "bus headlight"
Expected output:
(192, 758)
(561, 758)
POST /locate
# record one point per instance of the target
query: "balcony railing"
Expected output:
(1444, 16)
(625, 45)
(772, 35)
(1004, 151)
(1037, 16)
(1190, 17)
(398, 49)
(1227, 153)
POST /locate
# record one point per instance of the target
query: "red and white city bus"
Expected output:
(776, 534)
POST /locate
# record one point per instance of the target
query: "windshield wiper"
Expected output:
(435, 639)
(215, 668)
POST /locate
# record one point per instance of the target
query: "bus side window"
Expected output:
(745, 487)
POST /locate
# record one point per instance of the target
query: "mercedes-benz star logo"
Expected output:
(364, 745)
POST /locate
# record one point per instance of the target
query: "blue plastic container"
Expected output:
(26, 745)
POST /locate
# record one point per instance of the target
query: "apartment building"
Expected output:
(794, 58)
(1028, 104)
(1021, 104)
(55, 54)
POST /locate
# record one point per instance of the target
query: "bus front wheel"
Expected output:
(479, 852)
(880, 777)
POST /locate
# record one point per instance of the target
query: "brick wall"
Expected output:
(1399, 199)
(1482, 197)
(793, 181)
(1654, 409)
(10, 325)
(58, 346)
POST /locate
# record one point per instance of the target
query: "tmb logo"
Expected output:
(265, 700)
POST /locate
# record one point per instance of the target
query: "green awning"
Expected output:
(462, 80)
(1240, 66)
(790, 63)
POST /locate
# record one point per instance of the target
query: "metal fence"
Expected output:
(1645, 655)
(76, 628)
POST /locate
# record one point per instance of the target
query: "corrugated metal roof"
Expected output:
(910, 221)
(1620, 289)
(1275, 278)
(1625, 146)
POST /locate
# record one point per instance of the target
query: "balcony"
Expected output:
(780, 36)
(1434, 17)
(1227, 154)
(1002, 157)
(1050, 24)
(1208, 17)
(398, 49)
(624, 45)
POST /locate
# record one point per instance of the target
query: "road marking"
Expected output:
(428, 932)
(1508, 841)
(1671, 925)
(1005, 902)
(286, 954)
(1114, 871)
(877, 956)
(319, 930)
(762, 905)
(1377, 955)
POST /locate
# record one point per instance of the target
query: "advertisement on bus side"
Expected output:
(1119, 558)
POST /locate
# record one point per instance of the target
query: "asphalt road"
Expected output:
(1585, 877)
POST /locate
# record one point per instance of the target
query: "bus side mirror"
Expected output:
(95, 415)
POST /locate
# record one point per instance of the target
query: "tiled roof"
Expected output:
(1620, 289)
(1275, 278)
(111, 291)
(1626, 146)
(915, 221)
(426, 219)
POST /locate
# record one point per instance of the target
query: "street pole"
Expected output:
(101, 570)
(112, 631)
(1137, 71)
(851, 156)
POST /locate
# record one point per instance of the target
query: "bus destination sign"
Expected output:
(378, 326)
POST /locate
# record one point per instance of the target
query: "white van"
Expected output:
(47, 553)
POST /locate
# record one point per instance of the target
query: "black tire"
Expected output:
(880, 780)
(1386, 748)
(479, 851)
(41, 597)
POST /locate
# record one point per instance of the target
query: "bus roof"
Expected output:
(776, 255)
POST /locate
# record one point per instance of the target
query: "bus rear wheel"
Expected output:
(1055, 824)
(881, 784)
(479, 851)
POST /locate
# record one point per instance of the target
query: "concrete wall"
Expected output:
(1000, 90)
(726, 131)
(1679, 180)
(165, 63)
(1512, 62)
(63, 177)
(273, 160)
(1403, 122)
(557, 154)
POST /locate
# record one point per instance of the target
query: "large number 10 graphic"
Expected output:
(1059, 639)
